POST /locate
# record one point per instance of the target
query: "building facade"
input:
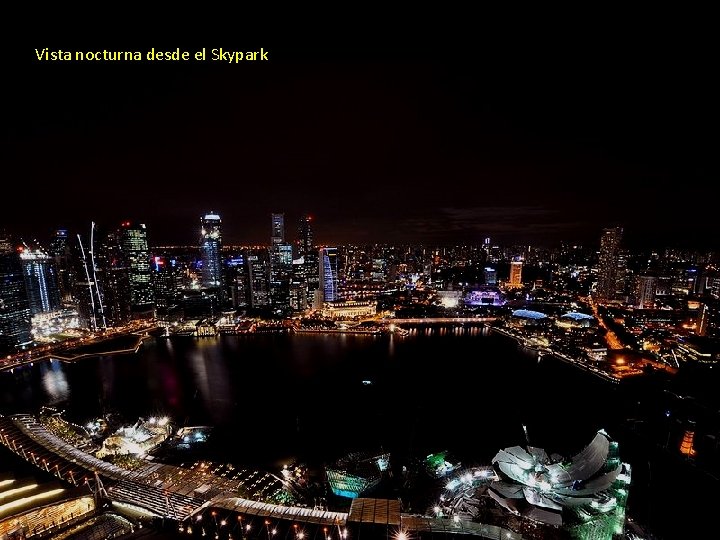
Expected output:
(608, 264)
(210, 250)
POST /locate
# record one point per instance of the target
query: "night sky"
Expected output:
(523, 142)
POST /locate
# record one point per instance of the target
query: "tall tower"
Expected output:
(88, 287)
(309, 255)
(608, 263)
(278, 229)
(258, 278)
(15, 324)
(280, 264)
(516, 273)
(210, 246)
(133, 241)
(117, 297)
(645, 288)
(60, 251)
(305, 236)
(328, 271)
(41, 282)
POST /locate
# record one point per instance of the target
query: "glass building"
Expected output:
(280, 265)
(328, 271)
(608, 265)
(133, 238)
(210, 247)
(15, 325)
(41, 282)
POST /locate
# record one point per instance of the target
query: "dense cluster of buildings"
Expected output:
(108, 277)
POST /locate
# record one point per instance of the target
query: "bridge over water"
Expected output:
(185, 494)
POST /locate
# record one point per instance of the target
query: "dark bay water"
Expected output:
(272, 397)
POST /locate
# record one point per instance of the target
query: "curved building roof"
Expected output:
(548, 485)
(577, 316)
(528, 314)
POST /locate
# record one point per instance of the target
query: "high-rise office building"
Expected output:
(210, 248)
(328, 272)
(516, 273)
(60, 252)
(115, 280)
(309, 255)
(305, 236)
(15, 325)
(41, 281)
(258, 267)
(167, 282)
(236, 280)
(645, 287)
(608, 264)
(278, 229)
(134, 245)
(280, 264)
(88, 287)
(490, 276)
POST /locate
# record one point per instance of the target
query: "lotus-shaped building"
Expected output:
(585, 494)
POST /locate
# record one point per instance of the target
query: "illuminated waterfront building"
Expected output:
(133, 238)
(41, 282)
(349, 309)
(356, 474)
(167, 282)
(114, 280)
(328, 271)
(258, 267)
(60, 252)
(586, 494)
(15, 318)
(210, 249)
(608, 264)
(307, 252)
(236, 280)
(88, 287)
(485, 296)
(280, 265)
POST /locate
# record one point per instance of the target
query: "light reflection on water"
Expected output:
(54, 381)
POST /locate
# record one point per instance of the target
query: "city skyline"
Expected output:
(393, 146)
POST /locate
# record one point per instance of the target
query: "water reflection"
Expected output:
(54, 381)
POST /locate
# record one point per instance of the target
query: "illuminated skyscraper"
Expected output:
(88, 287)
(135, 250)
(280, 264)
(490, 276)
(41, 282)
(115, 277)
(210, 247)
(14, 307)
(516, 273)
(258, 278)
(305, 236)
(645, 288)
(278, 229)
(60, 252)
(608, 263)
(328, 270)
(309, 255)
